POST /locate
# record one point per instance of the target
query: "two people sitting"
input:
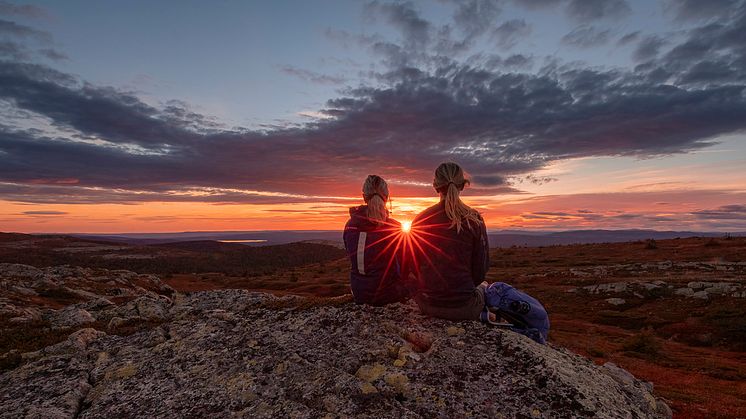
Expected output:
(446, 252)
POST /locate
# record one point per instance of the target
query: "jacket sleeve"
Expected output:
(480, 259)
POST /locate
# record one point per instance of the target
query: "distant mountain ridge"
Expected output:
(536, 239)
(504, 238)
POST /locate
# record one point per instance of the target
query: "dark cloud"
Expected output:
(14, 51)
(488, 181)
(24, 10)
(629, 38)
(421, 108)
(591, 10)
(510, 32)
(714, 52)
(495, 124)
(53, 54)
(586, 37)
(518, 61)
(312, 76)
(44, 213)
(22, 31)
(475, 17)
(537, 4)
(698, 9)
(726, 212)
(405, 18)
(648, 48)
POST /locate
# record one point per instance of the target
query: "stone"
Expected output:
(71, 316)
(283, 357)
(721, 288)
(455, 331)
(686, 292)
(24, 291)
(702, 295)
(616, 301)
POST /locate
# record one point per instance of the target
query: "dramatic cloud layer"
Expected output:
(432, 98)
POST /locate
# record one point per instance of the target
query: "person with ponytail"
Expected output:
(451, 271)
(370, 239)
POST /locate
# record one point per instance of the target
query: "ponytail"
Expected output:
(376, 193)
(449, 181)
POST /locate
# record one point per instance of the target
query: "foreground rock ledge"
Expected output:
(240, 354)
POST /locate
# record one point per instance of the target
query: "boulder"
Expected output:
(234, 353)
(702, 295)
(616, 301)
(686, 292)
(70, 316)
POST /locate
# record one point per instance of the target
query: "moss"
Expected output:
(306, 303)
(643, 343)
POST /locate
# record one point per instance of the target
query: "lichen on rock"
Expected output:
(236, 353)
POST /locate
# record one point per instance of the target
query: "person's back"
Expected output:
(456, 261)
(454, 252)
(370, 237)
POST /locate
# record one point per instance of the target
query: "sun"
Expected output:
(406, 226)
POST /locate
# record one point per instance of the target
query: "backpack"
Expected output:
(526, 314)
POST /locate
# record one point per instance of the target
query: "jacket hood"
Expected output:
(359, 218)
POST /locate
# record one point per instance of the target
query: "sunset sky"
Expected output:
(143, 116)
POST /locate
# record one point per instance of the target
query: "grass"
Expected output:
(643, 343)
(28, 337)
(15, 339)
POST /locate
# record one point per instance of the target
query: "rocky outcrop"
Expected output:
(241, 354)
(695, 289)
(29, 294)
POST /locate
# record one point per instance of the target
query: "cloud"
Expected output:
(53, 54)
(45, 213)
(417, 109)
(14, 51)
(697, 9)
(462, 114)
(510, 32)
(24, 10)
(405, 18)
(475, 17)
(22, 31)
(648, 48)
(537, 4)
(629, 38)
(591, 10)
(725, 212)
(312, 76)
(586, 37)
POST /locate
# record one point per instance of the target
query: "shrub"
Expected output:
(650, 244)
(595, 352)
(643, 343)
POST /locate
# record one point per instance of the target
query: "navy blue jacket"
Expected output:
(375, 274)
(450, 265)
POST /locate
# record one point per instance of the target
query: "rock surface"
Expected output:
(236, 353)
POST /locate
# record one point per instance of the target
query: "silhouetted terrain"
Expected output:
(504, 238)
(170, 258)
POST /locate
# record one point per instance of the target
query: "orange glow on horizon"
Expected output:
(612, 210)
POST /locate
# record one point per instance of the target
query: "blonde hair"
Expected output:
(449, 181)
(375, 194)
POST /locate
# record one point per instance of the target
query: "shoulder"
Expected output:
(427, 213)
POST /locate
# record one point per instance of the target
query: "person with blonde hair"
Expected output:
(370, 237)
(455, 252)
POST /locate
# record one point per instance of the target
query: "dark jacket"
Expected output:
(450, 265)
(375, 258)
